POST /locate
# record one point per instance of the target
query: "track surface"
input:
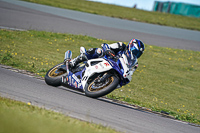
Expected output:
(120, 117)
(28, 89)
(18, 14)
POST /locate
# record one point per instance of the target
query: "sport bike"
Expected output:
(95, 77)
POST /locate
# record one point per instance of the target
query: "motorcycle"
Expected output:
(95, 77)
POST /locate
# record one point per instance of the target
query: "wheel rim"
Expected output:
(93, 88)
(55, 72)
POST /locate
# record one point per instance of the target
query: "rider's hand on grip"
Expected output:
(111, 54)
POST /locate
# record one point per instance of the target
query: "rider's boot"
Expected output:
(82, 57)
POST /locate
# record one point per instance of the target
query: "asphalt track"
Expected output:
(24, 15)
(121, 117)
(29, 89)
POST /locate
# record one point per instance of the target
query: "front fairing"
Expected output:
(131, 60)
(129, 65)
(117, 66)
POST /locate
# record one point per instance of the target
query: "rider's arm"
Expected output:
(116, 47)
(111, 50)
(119, 46)
(107, 50)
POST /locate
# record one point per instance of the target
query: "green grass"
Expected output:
(18, 117)
(166, 79)
(125, 13)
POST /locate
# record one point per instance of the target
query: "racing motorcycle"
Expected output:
(95, 77)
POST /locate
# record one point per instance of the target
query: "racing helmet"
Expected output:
(135, 48)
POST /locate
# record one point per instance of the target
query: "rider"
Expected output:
(134, 50)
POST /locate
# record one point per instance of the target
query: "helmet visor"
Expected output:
(136, 52)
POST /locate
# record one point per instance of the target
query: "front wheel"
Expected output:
(95, 90)
(53, 76)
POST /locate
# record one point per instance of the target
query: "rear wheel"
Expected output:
(95, 90)
(53, 76)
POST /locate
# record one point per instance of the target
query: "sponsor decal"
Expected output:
(106, 64)
(74, 76)
(101, 65)
(74, 81)
(79, 85)
(96, 67)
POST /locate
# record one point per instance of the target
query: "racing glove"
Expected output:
(111, 54)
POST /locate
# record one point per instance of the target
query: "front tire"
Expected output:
(53, 76)
(112, 83)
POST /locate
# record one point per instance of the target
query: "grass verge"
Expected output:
(166, 80)
(125, 13)
(19, 117)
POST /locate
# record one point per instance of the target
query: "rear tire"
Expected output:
(53, 76)
(109, 87)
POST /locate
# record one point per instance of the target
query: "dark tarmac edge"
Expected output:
(104, 98)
